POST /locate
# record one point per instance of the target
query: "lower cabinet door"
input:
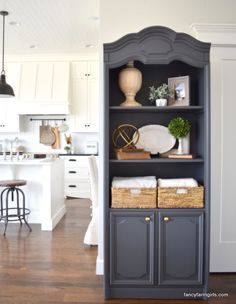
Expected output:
(132, 248)
(180, 248)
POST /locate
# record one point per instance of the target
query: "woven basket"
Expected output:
(133, 197)
(182, 197)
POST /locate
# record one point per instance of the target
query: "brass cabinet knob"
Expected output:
(147, 219)
(166, 219)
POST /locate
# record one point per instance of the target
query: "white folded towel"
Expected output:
(177, 182)
(134, 182)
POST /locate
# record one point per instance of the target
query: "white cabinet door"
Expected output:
(93, 105)
(85, 97)
(93, 97)
(3, 116)
(61, 82)
(79, 105)
(9, 119)
(223, 168)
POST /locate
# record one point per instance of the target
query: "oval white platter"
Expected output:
(155, 139)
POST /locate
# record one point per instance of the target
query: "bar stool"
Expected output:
(10, 213)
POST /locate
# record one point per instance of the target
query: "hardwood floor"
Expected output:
(45, 267)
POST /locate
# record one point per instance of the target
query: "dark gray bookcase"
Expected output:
(146, 256)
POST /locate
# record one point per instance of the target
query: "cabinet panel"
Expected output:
(28, 81)
(9, 119)
(180, 248)
(80, 69)
(85, 96)
(80, 104)
(131, 247)
(44, 81)
(13, 76)
(60, 85)
(93, 105)
(44, 88)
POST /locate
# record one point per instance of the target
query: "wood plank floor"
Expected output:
(45, 267)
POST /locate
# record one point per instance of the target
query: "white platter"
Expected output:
(155, 139)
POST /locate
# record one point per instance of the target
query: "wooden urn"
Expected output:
(130, 81)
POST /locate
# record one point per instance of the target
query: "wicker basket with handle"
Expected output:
(133, 197)
(181, 197)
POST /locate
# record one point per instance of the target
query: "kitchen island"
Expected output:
(44, 190)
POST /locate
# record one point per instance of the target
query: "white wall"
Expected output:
(119, 18)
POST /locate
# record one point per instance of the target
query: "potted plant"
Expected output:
(179, 127)
(160, 94)
(67, 149)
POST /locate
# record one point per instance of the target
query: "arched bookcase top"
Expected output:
(157, 45)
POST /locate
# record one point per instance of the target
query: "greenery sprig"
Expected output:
(163, 91)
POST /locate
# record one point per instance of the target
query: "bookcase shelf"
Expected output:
(168, 109)
(157, 161)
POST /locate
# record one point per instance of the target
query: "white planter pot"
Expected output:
(180, 146)
(161, 102)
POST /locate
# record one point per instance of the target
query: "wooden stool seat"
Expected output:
(12, 183)
(12, 202)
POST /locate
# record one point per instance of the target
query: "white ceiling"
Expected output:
(54, 26)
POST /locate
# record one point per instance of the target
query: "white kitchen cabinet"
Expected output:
(9, 119)
(85, 96)
(77, 182)
(13, 70)
(44, 88)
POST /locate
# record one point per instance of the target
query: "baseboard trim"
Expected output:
(99, 266)
(49, 225)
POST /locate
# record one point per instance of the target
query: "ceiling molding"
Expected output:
(218, 34)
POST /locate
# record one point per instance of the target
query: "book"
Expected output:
(190, 156)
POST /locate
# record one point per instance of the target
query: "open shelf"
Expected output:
(168, 109)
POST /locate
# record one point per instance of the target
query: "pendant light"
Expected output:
(5, 89)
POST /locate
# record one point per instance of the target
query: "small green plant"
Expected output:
(179, 127)
(67, 149)
(163, 91)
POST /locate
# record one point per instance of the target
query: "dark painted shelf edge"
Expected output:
(158, 160)
(157, 109)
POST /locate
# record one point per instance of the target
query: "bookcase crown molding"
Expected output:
(157, 45)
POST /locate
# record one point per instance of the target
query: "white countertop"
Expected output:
(30, 162)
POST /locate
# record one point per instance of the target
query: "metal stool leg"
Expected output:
(9, 190)
(2, 203)
(18, 205)
(23, 216)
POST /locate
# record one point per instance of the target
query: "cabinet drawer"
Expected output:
(85, 186)
(76, 161)
(76, 173)
(77, 189)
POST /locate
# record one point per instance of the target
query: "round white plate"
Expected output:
(155, 139)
